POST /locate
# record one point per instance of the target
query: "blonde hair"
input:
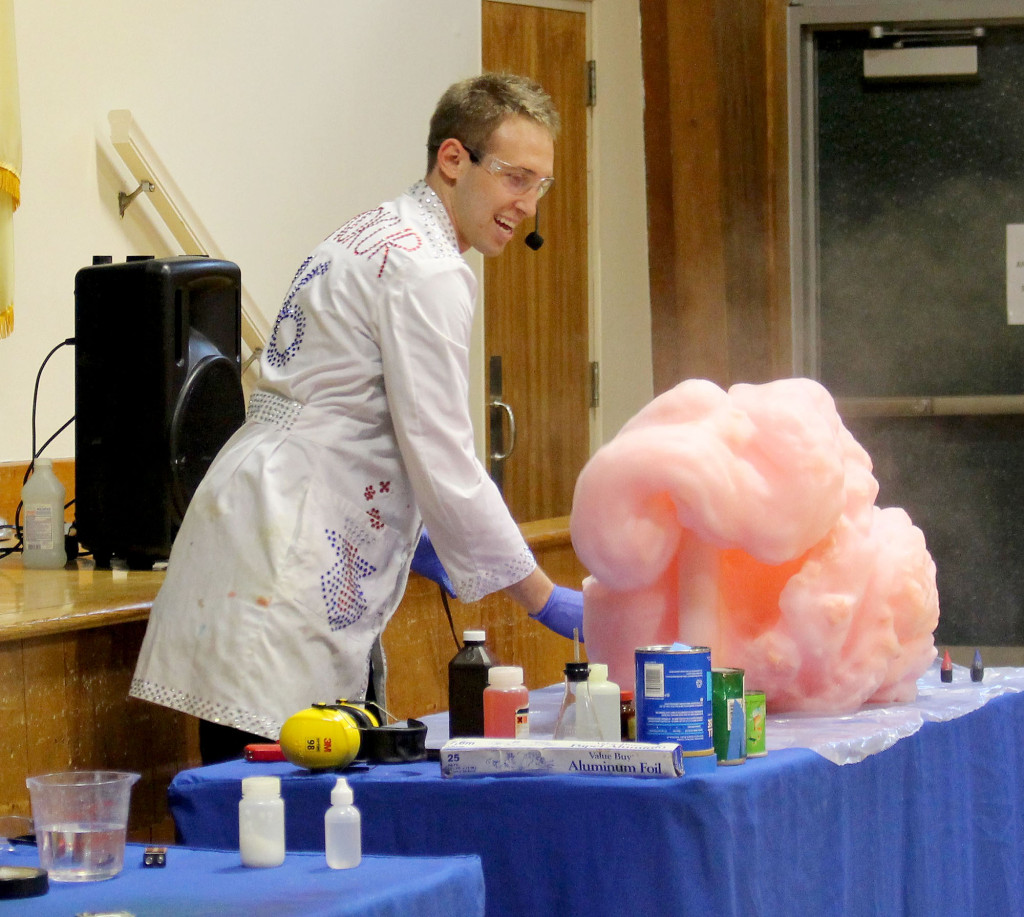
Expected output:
(472, 109)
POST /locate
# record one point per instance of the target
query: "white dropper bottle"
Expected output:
(343, 829)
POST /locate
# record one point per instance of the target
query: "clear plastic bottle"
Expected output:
(43, 499)
(261, 822)
(576, 718)
(607, 702)
(343, 829)
(467, 680)
(506, 704)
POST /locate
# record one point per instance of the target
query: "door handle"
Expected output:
(502, 406)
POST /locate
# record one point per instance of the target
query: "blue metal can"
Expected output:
(673, 699)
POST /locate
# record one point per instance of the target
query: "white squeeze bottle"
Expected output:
(43, 499)
(607, 702)
(343, 829)
(261, 822)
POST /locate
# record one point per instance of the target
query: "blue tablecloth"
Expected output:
(214, 883)
(932, 825)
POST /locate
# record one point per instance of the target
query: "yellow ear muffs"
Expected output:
(320, 737)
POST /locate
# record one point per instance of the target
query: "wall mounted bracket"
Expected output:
(124, 200)
(179, 218)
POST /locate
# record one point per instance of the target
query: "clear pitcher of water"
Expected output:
(81, 823)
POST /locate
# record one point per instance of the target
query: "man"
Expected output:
(296, 547)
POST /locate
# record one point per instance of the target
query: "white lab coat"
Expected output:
(296, 547)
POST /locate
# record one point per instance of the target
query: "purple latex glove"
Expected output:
(426, 563)
(562, 612)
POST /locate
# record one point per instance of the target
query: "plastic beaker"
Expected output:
(81, 822)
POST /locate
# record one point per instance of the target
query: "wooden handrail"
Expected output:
(183, 223)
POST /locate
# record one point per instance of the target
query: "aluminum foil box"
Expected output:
(519, 757)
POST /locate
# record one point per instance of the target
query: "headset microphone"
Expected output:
(534, 239)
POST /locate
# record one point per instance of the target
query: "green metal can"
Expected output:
(729, 716)
(757, 712)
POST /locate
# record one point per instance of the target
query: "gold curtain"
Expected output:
(10, 162)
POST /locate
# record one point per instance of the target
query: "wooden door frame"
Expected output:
(478, 357)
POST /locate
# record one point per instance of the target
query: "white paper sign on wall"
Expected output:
(1015, 273)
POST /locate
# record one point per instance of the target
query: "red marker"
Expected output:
(946, 670)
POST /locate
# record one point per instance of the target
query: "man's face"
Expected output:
(485, 209)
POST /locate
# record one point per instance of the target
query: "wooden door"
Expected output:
(536, 303)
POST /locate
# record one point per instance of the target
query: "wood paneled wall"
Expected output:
(64, 701)
(715, 132)
(419, 642)
(64, 705)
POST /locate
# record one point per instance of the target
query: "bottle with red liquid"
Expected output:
(506, 704)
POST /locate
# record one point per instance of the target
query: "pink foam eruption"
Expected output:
(746, 521)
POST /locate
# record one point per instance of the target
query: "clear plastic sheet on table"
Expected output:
(841, 738)
(848, 738)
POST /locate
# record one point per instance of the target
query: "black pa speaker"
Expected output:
(158, 391)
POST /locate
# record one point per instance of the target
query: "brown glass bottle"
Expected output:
(467, 680)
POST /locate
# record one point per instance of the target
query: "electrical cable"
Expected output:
(17, 513)
(67, 423)
(35, 398)
(448, 611)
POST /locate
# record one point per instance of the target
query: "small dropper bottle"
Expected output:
(343, 829)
